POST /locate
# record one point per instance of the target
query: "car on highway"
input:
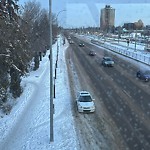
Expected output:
(81, 44)
(71, 42)
(85, 102)
(143, 75)
(92, 53)
(107, 61)
(69, 38)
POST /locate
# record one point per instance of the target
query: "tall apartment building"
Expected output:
(107, 18)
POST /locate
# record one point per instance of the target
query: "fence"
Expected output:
(141, 57)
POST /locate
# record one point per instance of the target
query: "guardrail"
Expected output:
(144, 58)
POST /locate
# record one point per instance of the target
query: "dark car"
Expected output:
(92, 53)
(81, 44)
(143, 75)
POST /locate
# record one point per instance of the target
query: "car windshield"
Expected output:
(85, 99)
(108, 59)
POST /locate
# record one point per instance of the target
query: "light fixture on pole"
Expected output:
(59, 13)
(56, 18)
(58, 26)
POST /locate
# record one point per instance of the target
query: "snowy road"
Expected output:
(118, 94)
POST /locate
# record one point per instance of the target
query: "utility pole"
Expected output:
(51, 75)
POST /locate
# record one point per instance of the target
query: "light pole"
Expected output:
(51, 75)
(56, 18)
(51, 72)
(58, 24)
(59, 13)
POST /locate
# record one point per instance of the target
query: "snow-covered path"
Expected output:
(31, 130)
(33, 119)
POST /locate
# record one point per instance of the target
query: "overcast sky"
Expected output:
(84, 13)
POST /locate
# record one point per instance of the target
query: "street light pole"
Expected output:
(59, 13)
(58, 26)
(51, 75)
(56, 18)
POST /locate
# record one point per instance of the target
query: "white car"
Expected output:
(85, 102)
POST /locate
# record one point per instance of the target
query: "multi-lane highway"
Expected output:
(122, 117)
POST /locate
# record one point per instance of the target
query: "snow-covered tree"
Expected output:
(23, 37)
(36, 26)
(13, 51)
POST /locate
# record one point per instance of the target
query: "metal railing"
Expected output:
(141, 57)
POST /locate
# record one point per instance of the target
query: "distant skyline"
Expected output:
(83, 13)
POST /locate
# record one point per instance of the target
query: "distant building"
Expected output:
(129, 26)
(147, 27)
(134, 26)
(107, 18)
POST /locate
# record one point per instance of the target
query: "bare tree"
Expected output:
(36, 25)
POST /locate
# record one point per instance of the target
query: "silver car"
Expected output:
(108, 62)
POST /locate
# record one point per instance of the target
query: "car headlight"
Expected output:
(79, 106)
(92, 107)
(146, 78)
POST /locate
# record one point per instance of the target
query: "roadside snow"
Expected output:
(139, 57)
(27, 127)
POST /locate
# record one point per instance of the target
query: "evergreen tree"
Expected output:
(15, 87)
(13, 51)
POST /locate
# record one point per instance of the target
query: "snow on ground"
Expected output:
(137, 56)
(129, 54)
(28, 125)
